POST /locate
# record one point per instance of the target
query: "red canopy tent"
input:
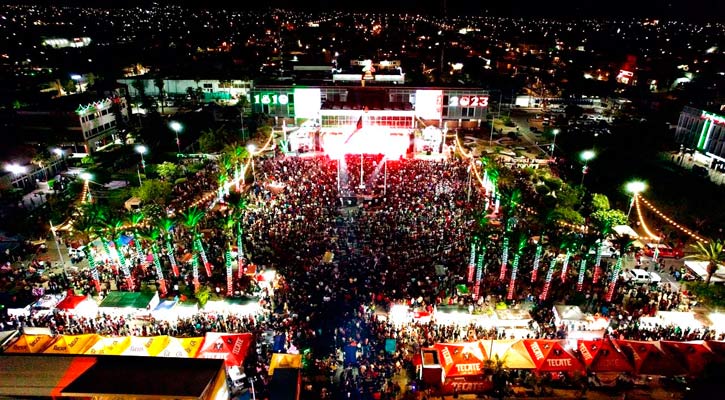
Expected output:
(462, 359)
(230, 347)
(552, 355)
(603, 356)
(694, 355)
(649, 358)
(70, 302)
(718, 349)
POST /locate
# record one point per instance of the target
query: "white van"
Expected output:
(640, 276)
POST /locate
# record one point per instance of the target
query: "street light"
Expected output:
(16, 170)
(251, 148)
(634, 187)
(176, 127)
(585, 156)
(553, 144)
(141, 149)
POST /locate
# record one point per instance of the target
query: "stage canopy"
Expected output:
(145, 346)
(72, 344)
(603, 356)
(649, 358)
(50, 376)
(462, 359)
(29, 344)
(552, 355)
(109, 346)
(230, 347)
(512, 353)
(182, 347)
(693, 355)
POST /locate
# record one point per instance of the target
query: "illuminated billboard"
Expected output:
(468, 101)
(429, 104)
(307, 102)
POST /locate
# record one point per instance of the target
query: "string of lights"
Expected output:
(641, 219)
(670, 221)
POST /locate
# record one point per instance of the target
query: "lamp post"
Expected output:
(635, 188)
(553, 143)
(585, 156)
(141, 149)
(251, 148)
(176, 127)
(57, 246)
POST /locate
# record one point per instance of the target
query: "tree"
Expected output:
(609, 217)
(140, 87)
(600, 202)
(167, 171)
(566, 214)
(159, 83)
(153, 191)
(213, 140)
(70, 86)
(712, 253)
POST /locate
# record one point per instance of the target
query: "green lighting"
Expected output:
(703, 134)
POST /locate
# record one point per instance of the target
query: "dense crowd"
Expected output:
(343, 260)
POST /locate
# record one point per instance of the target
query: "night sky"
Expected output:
(706, 9)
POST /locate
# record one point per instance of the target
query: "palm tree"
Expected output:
(167, 225)
(152, 235)
(623, 243)
(135, 218)
(113, 231)
(191, 220)
(711, 253)
(238, 211)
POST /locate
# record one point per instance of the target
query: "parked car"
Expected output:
(640, 276)
(665, 251)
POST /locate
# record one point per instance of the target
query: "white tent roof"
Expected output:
(622, 230)
(700, 268)
(568, 313)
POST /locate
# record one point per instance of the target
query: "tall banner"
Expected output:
(537, 259)
(172, 259)
(201, 251)
(582, 270)
(613, 281)
(547, 282)
(94, 269)
(195, 270)
(479, 272)
(228, 259)
(565, 266)
(597, 263)
(472, 261)
(159, 272)
(504, 258)
(512, 282)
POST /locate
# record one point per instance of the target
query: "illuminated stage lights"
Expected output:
(670, 221)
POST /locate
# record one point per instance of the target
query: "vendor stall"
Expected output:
(699, 269)
(182, 347)
(129, 303)
(239, 307)
(578, 324)
(230, 347)
(78, 305)
(680, 319)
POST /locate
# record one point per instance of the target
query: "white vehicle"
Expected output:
(77, 253)
(640, 276)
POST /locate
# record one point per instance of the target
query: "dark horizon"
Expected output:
(692, 9)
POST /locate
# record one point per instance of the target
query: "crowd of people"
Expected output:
(345, 250)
